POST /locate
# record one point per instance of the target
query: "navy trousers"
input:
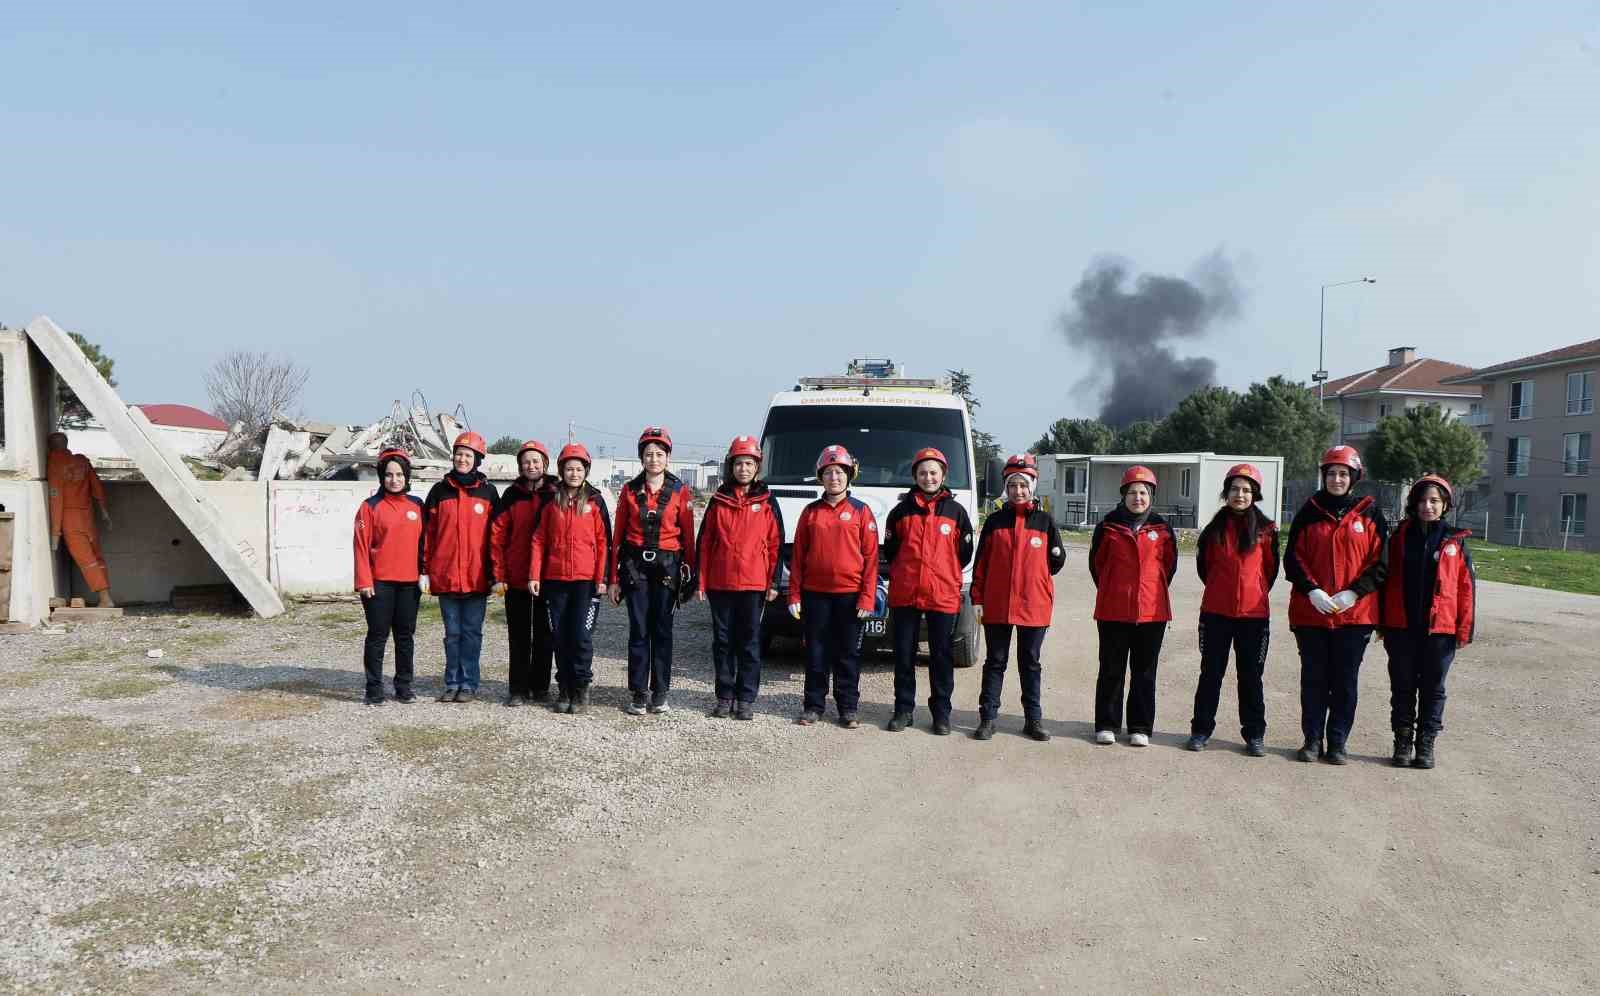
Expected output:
(650, 609)
(573, 610)
(941, 660)
(391, 609)
(1030, 641)
(1128, 650)
(528, 636)
(1330, 668)
(1418, 665)
(833, 649)
(736, 643)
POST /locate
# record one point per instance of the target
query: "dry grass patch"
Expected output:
(264, 705)
(127, 686)
(19, 678)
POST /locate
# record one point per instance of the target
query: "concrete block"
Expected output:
(159, 463)
(88, 614)
(76, 603)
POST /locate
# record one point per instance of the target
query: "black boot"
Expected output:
(1402, 748)
(1309, 751)
(1034, 729)
(723, 710)
(1424, 758)
(898, 722)
(1336, 754)
(985, 730)
(580, 700)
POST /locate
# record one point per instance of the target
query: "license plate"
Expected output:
(875, 627)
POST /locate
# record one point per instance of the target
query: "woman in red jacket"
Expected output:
(516, 516)
(457, 514)
(1336, 544)
(1018, 554)
(654, 550)
(567, 566)
(388, 549)
(833, 585)
(1429, 601)
(927, 540)
(740, 537)
(1132, 559)
(1237, 559)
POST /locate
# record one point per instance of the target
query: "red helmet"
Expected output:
(575, 451)
(658, 434)
(394, 453)
(744, 446)
(1438, 482)
(1138, 474)
(1250, 473)
(1021, 463)
(1343, 456)
(472, 441)
(535, 446)
(929, 453)
(836, 456)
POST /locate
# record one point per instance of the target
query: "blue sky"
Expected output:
(636, 212)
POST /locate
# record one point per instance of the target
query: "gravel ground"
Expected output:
(204, 817)
(230, 817)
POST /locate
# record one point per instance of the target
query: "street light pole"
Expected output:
(1321, 376)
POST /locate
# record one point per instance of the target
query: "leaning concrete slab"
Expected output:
(159, 463)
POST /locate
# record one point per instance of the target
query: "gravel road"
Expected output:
(231, 817)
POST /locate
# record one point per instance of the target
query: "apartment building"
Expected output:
(1537, 415)
(1405, 381)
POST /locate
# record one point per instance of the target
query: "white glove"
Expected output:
(1343, 600)
(422, 582)
(794, 610)
(1321, 602)
(977, 610)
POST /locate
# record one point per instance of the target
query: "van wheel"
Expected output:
(967, 650)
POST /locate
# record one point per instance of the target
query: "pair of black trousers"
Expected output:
(573, 610)
(736, 643)
(1247, 639)
(391, 609)
(1125, 648)
(833, 649)
(1030, 641)
(528, 635)
(1418, 665)
(941, 660)
(1330, 669)
(650, 609)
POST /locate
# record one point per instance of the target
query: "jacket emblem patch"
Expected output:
(1153, 535)
(412, 516)
(944, 528)
(1449, 549)
(477, 508)
(1358, 527)
(1035, 542)
(844, 516)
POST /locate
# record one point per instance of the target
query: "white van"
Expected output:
(883, 420)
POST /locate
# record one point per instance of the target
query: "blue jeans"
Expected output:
(463, 638)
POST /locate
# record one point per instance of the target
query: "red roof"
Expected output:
(1580, 351)
(183, 417)
(1417, 377)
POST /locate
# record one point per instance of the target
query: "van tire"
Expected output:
(968, 650)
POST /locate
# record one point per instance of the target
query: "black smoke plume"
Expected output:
(1127, 333)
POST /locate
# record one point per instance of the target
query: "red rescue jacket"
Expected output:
(676, 530)
(457, 543)
(928, 543)
(835, 551)
(573, 541)
(1019, 552)
(740, 539)
(1455, 589)
(511, 531)
(1132, 570)
(1335, 552)
(1237, 582)
(388, 539)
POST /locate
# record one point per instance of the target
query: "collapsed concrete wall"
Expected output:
(160, 465)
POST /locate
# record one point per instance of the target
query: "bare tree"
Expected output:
(254, 388)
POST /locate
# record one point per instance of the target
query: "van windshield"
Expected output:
(882, 439)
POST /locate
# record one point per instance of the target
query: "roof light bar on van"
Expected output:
(923, 382)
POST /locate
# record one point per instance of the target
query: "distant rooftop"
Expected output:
(1566, 354)
(1405, 373)
(183, 417)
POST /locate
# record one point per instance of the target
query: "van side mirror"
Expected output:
(993, 482)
